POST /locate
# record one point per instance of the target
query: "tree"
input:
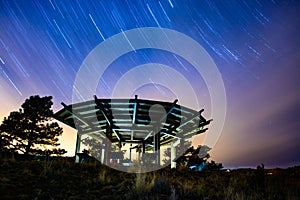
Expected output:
(180, 149)
(194, 157)
(11, 126)
(94, 146)
(212, 165)
(4, 141)
(31, 130)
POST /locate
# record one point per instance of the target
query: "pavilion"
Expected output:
(148, 124)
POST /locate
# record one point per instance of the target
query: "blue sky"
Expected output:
(255, 45)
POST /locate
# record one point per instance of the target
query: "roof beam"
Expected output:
(117, 135)
(172, 135)
(187, 121)
(170, 110)
(101, 110)
(148, 135)
(75, 116)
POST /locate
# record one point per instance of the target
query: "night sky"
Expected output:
(254, 44)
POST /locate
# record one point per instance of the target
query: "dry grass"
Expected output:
(62, 179)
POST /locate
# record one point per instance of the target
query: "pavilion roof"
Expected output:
(133, 120)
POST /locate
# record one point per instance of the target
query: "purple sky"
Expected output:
(255, 45)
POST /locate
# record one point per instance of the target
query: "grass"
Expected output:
(63, 179)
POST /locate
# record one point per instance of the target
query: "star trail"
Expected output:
(255, 45)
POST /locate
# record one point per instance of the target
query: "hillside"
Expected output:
(63, 179)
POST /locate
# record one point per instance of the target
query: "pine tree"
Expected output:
(31, 130)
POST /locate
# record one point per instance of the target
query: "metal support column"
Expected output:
(108, 145)
(77, 150)
(173, 155)
(103, 152)
(143, 147)
(157, 147)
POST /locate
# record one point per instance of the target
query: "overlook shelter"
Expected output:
(148, 124)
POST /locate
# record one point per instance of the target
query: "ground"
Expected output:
(63, 179)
